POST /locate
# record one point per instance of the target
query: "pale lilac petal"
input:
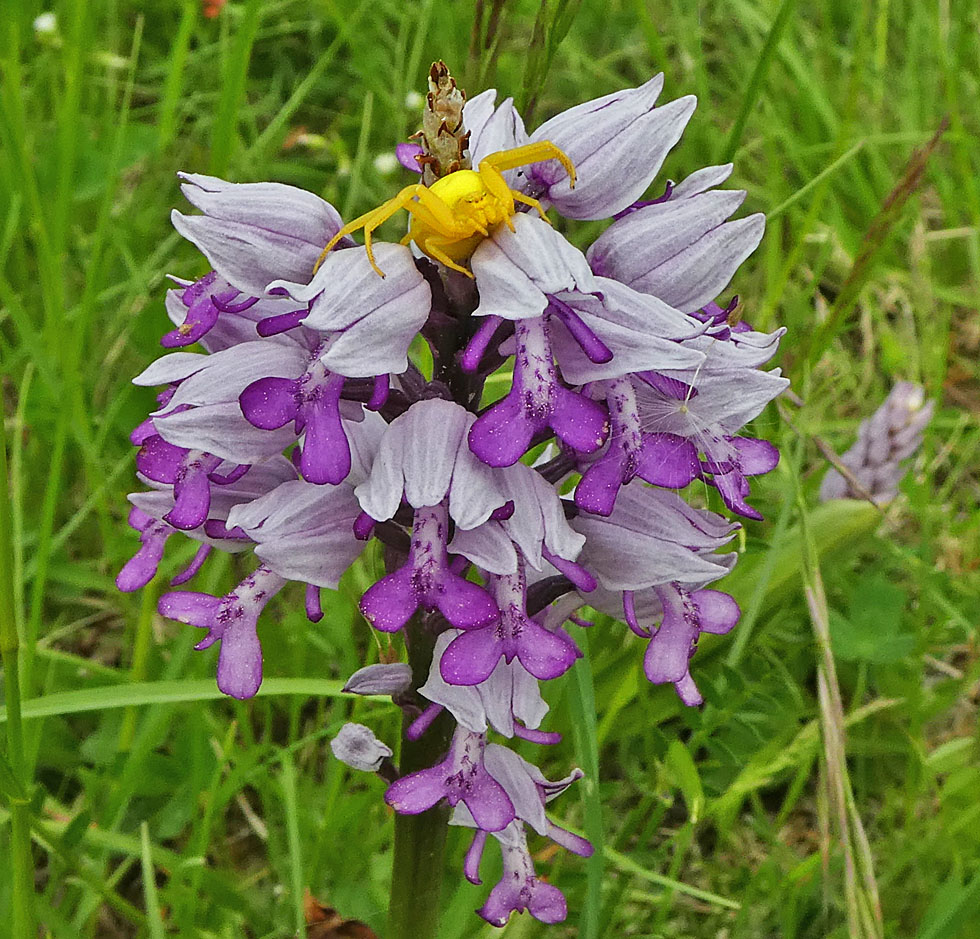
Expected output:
(383, 678)
(222, 430)
(254, 232)
(515, 269)
(464, 702)
(700, 273)
(431, 434)
(617, 144)
(634, 348)
(228, 373)
(539, 517)
(487, 546)
(320, 559)
(701, 181)
(503, 129)
(512, 772)
(358, 747)
(637, 245)
(170, 368)
(476, 112)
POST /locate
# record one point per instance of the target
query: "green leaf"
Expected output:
(872, 631)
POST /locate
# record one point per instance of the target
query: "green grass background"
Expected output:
(156, 809)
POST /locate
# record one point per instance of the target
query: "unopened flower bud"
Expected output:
(357, 746)
(380, 679)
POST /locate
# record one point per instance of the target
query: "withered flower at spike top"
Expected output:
(444, 139)
(307, 424)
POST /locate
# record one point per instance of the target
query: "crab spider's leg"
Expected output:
(527, 200)
(497, 187)
(433, 247)
(376, 216)
(530, 153)
(442, 218)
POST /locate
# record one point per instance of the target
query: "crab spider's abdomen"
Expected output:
(475, 211)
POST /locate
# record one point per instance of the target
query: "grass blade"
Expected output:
(582, 708)
(150, 895)
(168, 692)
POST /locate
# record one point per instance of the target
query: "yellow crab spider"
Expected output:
(453, 215)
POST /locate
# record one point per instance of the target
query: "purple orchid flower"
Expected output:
(230, 620)
(204, 301)
(461, 777)
(509, 700)
(709, 419)
(536, 400)
(190, 472)
(472, 657)
(686, 614)
(426, 580)
(662, 459)
(150, 509)
(519, 888)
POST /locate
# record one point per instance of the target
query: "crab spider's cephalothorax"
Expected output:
(453, 215)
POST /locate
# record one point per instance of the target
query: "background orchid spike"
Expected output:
(310, 425)
(877, 462)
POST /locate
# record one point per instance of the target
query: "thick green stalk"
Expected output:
(22, 862)
(420, 840)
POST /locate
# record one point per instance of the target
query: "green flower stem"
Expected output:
(22, 862)
(420, 840)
